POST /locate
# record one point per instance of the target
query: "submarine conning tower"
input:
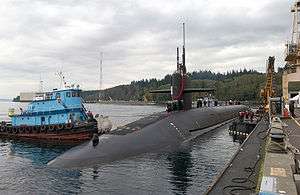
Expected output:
(181, 90)
(180, 80)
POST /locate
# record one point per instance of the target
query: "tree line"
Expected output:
(240, 85)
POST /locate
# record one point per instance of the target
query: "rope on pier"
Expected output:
(235, 189)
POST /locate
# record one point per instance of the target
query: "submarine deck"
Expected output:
(202, 118)
(139, 124)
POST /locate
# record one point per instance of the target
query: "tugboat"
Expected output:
(56, 116)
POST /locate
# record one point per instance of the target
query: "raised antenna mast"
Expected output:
(183, 49)
(178, 65)
(183, 33)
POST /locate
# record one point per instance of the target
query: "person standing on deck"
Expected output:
(292, 108)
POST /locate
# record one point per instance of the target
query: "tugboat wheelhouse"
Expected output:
(58, 107)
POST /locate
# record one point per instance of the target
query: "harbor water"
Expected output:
(187, 170)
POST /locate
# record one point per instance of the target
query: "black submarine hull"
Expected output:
(156, 132)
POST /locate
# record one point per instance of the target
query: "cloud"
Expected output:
(138, 38)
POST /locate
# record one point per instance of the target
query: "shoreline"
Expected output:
(125, 103)
(118, 102)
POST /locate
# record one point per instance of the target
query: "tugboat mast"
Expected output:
(62, 79)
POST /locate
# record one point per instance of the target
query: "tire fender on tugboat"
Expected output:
(3, 128)
(36, 129)
(9, 129)
(69, 126)
(28, 129)
(15, 130)
(60, 127)
(43, 128)
(51, 128)
(22, 129)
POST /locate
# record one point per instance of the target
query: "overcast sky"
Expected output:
(138, 38)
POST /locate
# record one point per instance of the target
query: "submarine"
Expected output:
(180, 123)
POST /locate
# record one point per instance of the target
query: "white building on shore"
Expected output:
(29, 96)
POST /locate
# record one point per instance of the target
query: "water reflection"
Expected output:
(95, 173)
(180, 165)
(38, 176)
(38, 153)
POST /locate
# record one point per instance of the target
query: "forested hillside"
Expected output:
(239, 85)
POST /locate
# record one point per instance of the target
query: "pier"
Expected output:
(268, 161)
(242, 172)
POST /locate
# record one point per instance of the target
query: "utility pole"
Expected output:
(41, 87)
(100, 75)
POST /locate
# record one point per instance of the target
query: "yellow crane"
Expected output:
(268, 91)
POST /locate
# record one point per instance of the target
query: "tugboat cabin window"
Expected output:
(48, 96)
(57, 96)
(73, 94)
(68, 94)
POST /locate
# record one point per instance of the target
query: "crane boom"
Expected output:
(268, 91)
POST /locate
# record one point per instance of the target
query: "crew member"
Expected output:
(292, 108)
(216, 102)
(169, 107)
(199, 103)
(90, 114)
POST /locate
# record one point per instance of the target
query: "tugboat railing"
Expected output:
(51, 112)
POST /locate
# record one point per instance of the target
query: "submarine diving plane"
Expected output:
(167, 129)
